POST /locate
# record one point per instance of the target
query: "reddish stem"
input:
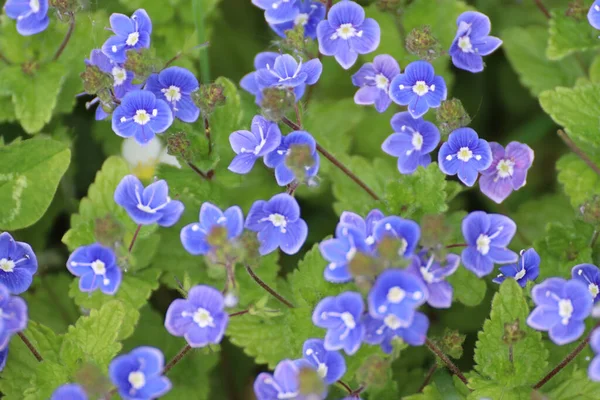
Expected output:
(134, 238)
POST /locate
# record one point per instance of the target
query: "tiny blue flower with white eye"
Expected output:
(138, 375)
(412, 142)
(431, 272)
(194, 235)
(3, 357)
(418, 88)
(249, 83)
(97, 267)
(403, 230)
(149, 205)
(384, 331)
(141, 115)
(472, 41)
(31, 16)
(562, 307)
(397, 292)
(200, 318)
(287, 73)
(18, 263)
(341, 316)
(365, 226)
(70, 391)
(346, 33)
(122, 79)
(278, 11)
(278, 158)
(310, 13)
(374, 79)
(487, 236)
(284, 383)
(594, 14)
(465, 154)
(175, 85)
(263, 138)
(330, 365)
(278, 224)
(130, 34)
(594, 367)
(14, 316)
(527, 269)
(340, 251)
(588, 274)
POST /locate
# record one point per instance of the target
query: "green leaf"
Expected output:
(442, 387)
(484, 389)
(468, 288)
(30, 171)
(579, 181)
(569, 35)
(492, 354)
(524, 48)
(577, 386)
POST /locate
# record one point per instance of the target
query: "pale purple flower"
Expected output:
(588, 274)
(433, 275)
(594, 367)
(374, 79)
(365, 226)
(383, 331)
(397, 292)
(130, 34)
(277, 159)
(286, 72)
(507, 172)
(310, 13)
(472, 41)
(330, 365)
(346, 33)
(263, 138)
(526, 269)
(465, 154)
(284, 383)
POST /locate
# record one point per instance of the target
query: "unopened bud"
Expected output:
(363, 265)
(590, 211)
(451, 115)
(513, 332)
(391, 250)
(249, 246)
(208, 97)
(65, 8)
(277, 103)
(94, 80)
(577, 10)
(300, 160)
(93, 380)
(108, 230)
(423, 44)
(294, 42)
(374, 372)
(178, 145)
(310, 383)
(452, 343)
(142, 63)
(231, 300)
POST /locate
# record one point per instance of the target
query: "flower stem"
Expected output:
(134, 238)
(345, 386)
(451, 366)
(268, 288)
(30, 346)
(67, 37)
(197, 170)
(235, 314)
(428, 377)
(451, 246)
(542, 8)
(328, 6)
(569, 142)
(175, 360)
(4, 59)
(207, 134)
(594, 237)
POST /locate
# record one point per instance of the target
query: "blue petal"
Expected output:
(163, 119)
(186, 110)
(327, 45)
(294, 237)
(121, 24)
(179, 77)
(285, 205)
(170, 214)
(475, 262)
(144, 23)
(114, 48)
(345, 56)
(283, 175)
(31, 25)
(475, 224)
(235, 221)
(313, 70)
(269, 238)
(346, 12)
(369, 40)
(479, 23)
(562, 334)
(242, 163)
(193, 239)
(594, 15)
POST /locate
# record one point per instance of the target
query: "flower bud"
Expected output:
(93, 380)
(423, 44)
(299, 160)
(108, 231)
(142, 63)
(65, 7)
(452, 343)
(310, 383)
(513, 332)
(208, 97)
(294, 42)
(590, 211)
(277, 102)
(577, 10)
(451, 115)
(178, 145)
(374, 372)
(94, 80)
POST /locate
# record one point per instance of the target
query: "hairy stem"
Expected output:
(235, 314)
(30, 346)
(65, 41)
(134, 238)
(271, 291)
(542, 8)
(207, 134)
(428, 377)
(451, 246)
(569, 142)
(175, 360)
(451, 366)
(197, 170)
(345, 386)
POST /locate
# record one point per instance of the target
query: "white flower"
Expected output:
(143, 160)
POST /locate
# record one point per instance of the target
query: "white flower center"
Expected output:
(427, 276)
(464, 42)
(278, 221)
(505, 168)
(520, 274)
(119, 75)
(464, 154)
(7, 265)
(99, 267)
(594, 290)
(348, 320)
(346, 31)
(137, 379)
(141, 117)
(565, 310)
(381, 81)
(301, 19)
(350, 254)
(203, 318)
(417, 140)
(172, 94)
(322, 370)
(420, 88)
(392, 322)
(395, 295)
(483, 244)
(34, 5)
(132, 39)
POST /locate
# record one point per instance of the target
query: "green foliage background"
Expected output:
(58, 174)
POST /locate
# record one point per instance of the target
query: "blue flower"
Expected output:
(278, 158)
(487, 236)
(194, 235)
(384, 331)
(403, 230)
(341, 316)
(330, 365)
(200, 318)
(122, 79)
(412, 142)
(594, 14)
(588, 274)
(138, 375)
(472, 41)
(17, 264)
(562, 307)
(594, 367)
(31, 16)
(278, 224)
(284, 383)
(346, 33)
(70, 391)
(374, 79)
(249, 83)
(130, 34)
(263, 138)
(278, 11)
(150, 205)
(397, 292)
(175, 85)
(310, 13)
(341, 250)
(97, 267)
(527, 269)
(3, 357)
(465, 154)
(287, 73)
(418, 88)
(432, 274)
(141, 115)
(365, 226)
(14, 316)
